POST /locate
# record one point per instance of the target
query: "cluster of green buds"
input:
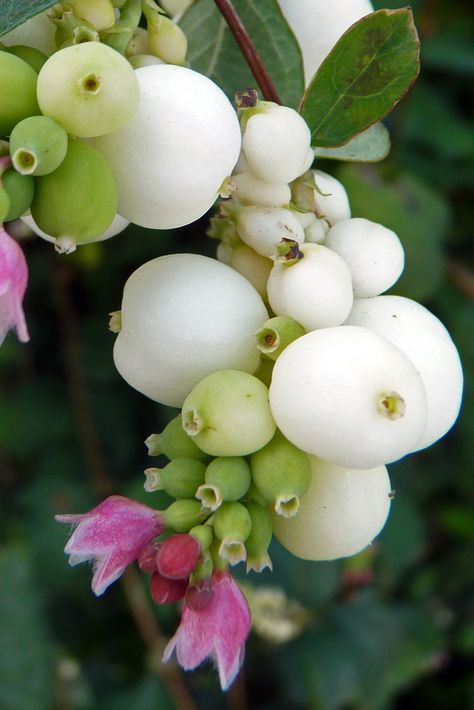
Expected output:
(226, 501)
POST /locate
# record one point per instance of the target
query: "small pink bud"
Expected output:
(13, 281)
(147, 557)
(165, 590)
(177, 556)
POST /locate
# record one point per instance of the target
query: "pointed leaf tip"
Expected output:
(368, 71)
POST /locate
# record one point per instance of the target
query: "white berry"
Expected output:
(172, 158)
(316, 291)
(425, 340)
(339, 515)
(373, 253)
(348, 396)
(185, 316)
(276, 144)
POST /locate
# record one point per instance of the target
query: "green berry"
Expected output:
(227, 414)
(20, 190)
(38, 145)
(89, 88)
(77, 201)
(17, 91)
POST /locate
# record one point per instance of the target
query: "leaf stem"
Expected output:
(249, 50)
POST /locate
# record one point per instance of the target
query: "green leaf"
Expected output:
(368, 147)
(15, 12)
(368, 71)
(26, 669)
(213, 51)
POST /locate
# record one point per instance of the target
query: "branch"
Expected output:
(249, 51)
(138, 602)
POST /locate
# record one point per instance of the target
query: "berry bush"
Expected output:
(289, 287)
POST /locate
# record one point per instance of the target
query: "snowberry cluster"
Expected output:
(297, 380)
(355, 379)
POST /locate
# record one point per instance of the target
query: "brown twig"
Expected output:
(462, 277)
(103, 484)
(249, 51)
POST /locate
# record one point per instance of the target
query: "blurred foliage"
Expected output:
(392, 628)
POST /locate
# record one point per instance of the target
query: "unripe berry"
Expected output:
(77, 202)
(100, 13)
(227, 414)
(180, 478)
(20, 190)
(227, 478)
(38, 145)
(89, 88)
(30, 55)
(281, 474)
(17, 91)
(117, 225)
(174, 443)
(340, 514)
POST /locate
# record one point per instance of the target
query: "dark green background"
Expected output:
(69, 425)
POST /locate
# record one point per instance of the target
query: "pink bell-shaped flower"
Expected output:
(13, 281)
(111, 535)
(218, 631)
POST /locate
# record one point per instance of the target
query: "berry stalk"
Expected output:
(249, 51)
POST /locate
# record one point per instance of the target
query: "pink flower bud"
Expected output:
(165, 590)
(147, 557)
(13, 281)
(177, 556)
(111, 535)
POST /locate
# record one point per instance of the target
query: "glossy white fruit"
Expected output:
(318, 24)
(172, 158)
(373, 253)
(249, 189)
(253, 266)
(340, 514)
(424, 339)
(185, 316)
(316, 291)
(348, 396)
(262, 228)
(276, 144)
(332, 202)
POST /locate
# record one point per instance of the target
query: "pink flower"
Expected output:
(112, 535)
(13, 280)
(218, 631)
